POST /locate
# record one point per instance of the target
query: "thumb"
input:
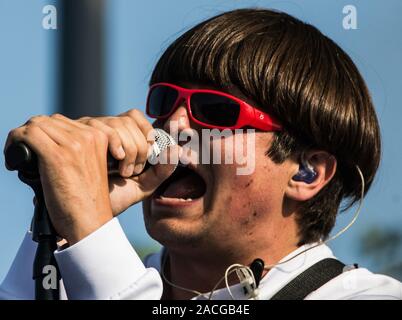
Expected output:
(166, 164)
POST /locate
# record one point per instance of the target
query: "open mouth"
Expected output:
(184, 184)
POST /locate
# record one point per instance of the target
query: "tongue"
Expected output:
(190, 186)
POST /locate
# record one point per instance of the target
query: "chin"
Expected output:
(176, 232)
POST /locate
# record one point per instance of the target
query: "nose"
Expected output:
(178, 121)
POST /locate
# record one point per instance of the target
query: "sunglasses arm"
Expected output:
(265, 122)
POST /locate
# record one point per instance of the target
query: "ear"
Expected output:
(324, 165)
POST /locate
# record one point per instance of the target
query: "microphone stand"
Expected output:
(45, 270)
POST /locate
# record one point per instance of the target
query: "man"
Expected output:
(315, 128)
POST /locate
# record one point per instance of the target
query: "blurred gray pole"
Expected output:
(81, 54)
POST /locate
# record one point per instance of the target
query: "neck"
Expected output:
(201, 271)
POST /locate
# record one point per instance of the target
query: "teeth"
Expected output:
(180, 199)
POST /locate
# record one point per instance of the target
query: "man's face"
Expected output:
(212, 205)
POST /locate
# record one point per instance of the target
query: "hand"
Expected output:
(72, 167)
(130, 139)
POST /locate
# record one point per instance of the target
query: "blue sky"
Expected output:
(137, 32)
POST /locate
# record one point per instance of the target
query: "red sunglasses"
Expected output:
(208, 108)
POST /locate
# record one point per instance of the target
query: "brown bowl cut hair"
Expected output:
(301, 77)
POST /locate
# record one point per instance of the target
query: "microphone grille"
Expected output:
(163, 140)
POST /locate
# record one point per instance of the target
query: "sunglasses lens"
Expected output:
(214, 109)
(161, 100)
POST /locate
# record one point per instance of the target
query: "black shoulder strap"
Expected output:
(310, 280)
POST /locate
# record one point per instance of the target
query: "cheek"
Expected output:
(248, 199)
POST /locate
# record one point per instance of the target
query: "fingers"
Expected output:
(33, 136)
(128, 138)
(127, 165)
(142, 122)
(115, 144)
(124, 192)
(139, 142)
(128, 133)
(155, 175)
(46, 136)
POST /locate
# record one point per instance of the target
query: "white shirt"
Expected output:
(105, 266)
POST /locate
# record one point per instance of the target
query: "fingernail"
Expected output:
(129, 170)
(138, 168)
(180, 152)
(120, 152)
(150, 149)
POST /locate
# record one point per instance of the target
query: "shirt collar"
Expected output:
(278, 276)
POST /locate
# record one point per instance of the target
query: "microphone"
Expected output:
(20, 157)
(257, 267)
